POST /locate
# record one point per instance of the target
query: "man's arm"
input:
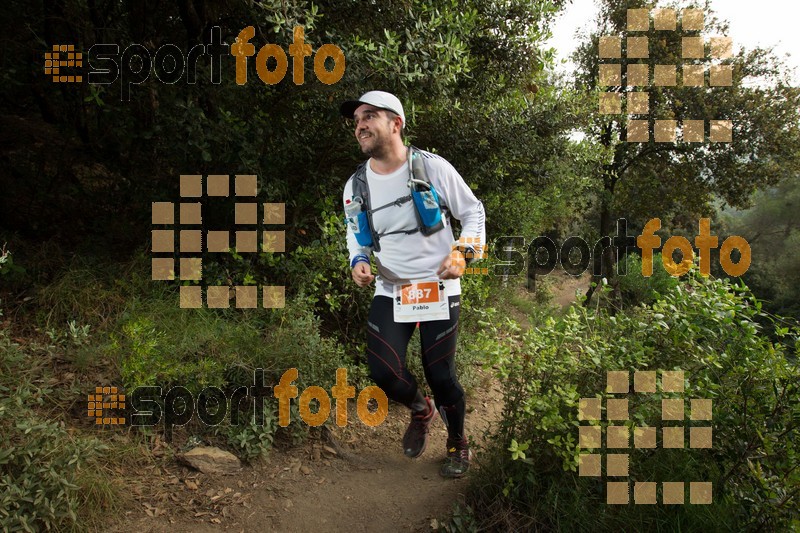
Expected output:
(464, 206)
(360, 267)
(462, 203)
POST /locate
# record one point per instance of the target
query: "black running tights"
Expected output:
(387, 341)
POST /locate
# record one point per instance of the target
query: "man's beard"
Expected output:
(377, 150)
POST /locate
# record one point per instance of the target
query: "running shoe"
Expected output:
(458, 456)
(416, 438)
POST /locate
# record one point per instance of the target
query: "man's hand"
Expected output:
(362, 274)
(453, 266)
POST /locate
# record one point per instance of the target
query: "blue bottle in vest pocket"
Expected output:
(356, 218)
(427, 204)
(425, 197)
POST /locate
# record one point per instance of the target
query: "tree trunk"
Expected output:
(604, 262)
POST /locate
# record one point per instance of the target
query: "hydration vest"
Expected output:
(428, 208)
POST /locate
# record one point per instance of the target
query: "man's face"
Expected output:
(374, 129)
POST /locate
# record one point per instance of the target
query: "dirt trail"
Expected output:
(313, 488)
(309, 488)
(564, 288)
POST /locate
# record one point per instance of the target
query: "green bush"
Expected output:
(250, 439)
(708, 328)
(637, 289)
(315, 266)
(321, 271)
(47, 474)
(159, 344)
(84, 292)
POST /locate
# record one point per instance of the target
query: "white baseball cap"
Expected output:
(379, 99)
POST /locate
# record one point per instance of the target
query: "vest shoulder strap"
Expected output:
(361, 189)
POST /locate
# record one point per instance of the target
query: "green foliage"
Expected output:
(73, 343)
(250, 438)
(8, 269)
(476, 289)
(82, 292)
(706, 327)
(295, 341)
(48, 475)
(462, 520)
(159, 344)
(637, 289)
(321, 271)
(772, 228)
(470, 73)
(520, 162)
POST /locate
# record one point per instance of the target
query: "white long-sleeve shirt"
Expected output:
(406, 257)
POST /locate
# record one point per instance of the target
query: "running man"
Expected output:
(419, 264)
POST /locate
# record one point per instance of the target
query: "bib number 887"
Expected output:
(418, 293)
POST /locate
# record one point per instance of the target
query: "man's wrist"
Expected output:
(360, 258)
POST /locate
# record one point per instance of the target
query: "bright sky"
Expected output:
(772, 22)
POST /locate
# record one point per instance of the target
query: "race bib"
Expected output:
(420, 301)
